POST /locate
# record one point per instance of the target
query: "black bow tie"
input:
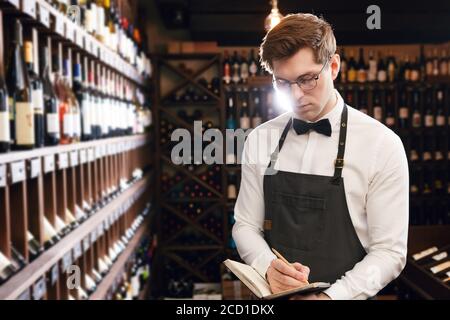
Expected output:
(323, 126)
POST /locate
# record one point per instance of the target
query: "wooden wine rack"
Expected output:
(35, 185)
(171, 248)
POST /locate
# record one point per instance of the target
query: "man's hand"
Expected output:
(282, 277)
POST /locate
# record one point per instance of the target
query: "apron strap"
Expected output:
(274, 155)
(339, 162)
(267, 226)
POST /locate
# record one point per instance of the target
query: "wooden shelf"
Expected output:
(119, 264)
(124, 142)
(43, 14)
(32, 272)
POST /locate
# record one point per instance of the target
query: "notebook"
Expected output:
(259, 286)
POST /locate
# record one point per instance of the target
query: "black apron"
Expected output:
(307, 218)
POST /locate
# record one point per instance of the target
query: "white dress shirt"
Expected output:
(376, 184)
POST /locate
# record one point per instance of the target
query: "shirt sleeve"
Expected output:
(249, 216)
(387, 208)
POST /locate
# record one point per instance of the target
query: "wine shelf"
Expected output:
(23, 280)
(108, 281)
(55, 23)
(110, 146)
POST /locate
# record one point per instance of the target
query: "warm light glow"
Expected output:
(274, 17)
(283, 101)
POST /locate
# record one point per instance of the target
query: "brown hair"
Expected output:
(294, 32)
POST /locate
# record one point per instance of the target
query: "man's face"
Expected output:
(311, 104)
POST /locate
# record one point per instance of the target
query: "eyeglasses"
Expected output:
(305, 83)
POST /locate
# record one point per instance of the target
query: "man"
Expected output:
(293, 198)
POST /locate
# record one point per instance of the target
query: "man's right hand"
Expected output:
(282, 277)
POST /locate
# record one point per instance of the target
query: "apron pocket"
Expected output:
(298, 222)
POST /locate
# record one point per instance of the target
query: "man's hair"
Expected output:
(294, 32)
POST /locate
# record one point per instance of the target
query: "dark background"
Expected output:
(241, 22)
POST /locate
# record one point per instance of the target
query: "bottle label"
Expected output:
(253, 69)
(440, 120)
(244, 71)
(24, 123)
(416, 120)
(231, 191)
(382, 75)
(403, 113)
(372, 75)
(52, 123)
(76, 124)
(415, 75)
(351, 75)
(429, 121)
(4, 127)
(68, 124)
(378, 113)
(37, 97)
(11, 108)
(245, 122)
(86, 112)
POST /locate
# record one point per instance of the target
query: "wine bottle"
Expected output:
(390, 113)
(257, 118)
(19, 89)
(344, 68)
(372, 73)
(429, 65)
(440, 113)
(37, 94)
(244, 67)
(73, 102)
(5, 136)
(352, 69)
(253, 68)
(362, 103)
(403, 116)
(406, 69)
(391, 68)
(377, 107)
(231, 122)
(244, 116)
(382, 70)
(226, 68)
(65, 114)
(236, 65)
(52, 133)
(361, 68)
(443, 66)
(429, 115)
(417, 117)
(232, 190)
(435, 63)
(83, 98)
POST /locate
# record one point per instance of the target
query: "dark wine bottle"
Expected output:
(37, 94)
(19, 89)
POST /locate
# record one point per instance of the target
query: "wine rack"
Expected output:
(105, 185)
(192, 220)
